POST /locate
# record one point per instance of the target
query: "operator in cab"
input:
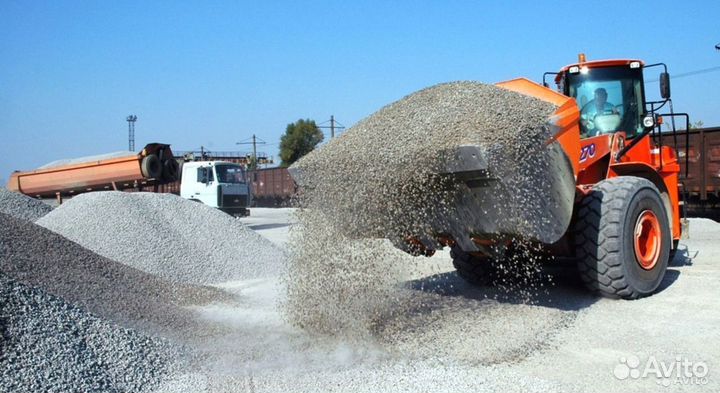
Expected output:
(597, 106)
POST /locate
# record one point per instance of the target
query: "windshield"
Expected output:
(609, 100)
(227, 173)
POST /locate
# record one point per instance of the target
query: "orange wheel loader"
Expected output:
(614, 201)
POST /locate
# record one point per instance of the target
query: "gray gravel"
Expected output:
(38, 257)
(22, 206)
(384, 182)
(163, 234)
(384, 179)
(80, 160)
(477, 339)
(48, 345)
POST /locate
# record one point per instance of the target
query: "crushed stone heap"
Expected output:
(163, 234)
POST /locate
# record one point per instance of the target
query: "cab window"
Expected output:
(227, 173)
(610, 100)
(205, 175)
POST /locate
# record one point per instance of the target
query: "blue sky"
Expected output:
(213, 73)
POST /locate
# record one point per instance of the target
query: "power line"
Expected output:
(254, 143)
(691, 73)
(334, 125)
(697, 72)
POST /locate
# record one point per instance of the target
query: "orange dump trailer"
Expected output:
(154, 165)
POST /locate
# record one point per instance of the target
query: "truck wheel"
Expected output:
(151, 167)
(473, 269)
(170, 170)
(622, 238)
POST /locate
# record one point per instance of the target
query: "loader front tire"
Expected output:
(622, 238)
(473, 269)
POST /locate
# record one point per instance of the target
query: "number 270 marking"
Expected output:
(587, 152)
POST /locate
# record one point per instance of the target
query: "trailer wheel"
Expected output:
(151, 166)
(473, 269)
(622, 238)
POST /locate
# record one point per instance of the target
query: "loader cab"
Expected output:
(610, 95)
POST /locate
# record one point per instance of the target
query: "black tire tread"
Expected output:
(151, 167)
(475, 270)
(597, 243)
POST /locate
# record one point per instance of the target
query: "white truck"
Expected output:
(218, 184)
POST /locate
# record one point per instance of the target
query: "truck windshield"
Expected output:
(609, 100)
(227, 173)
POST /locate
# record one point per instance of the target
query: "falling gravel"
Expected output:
(49, 345)
(22, 206)
(163, 234)
(383, 178)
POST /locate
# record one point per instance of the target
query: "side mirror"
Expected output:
(664, 85)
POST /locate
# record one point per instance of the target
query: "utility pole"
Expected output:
(254, 144)
(333, 126)
(131, 132)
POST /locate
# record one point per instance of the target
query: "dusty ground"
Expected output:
(568, 341)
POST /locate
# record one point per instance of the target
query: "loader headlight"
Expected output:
(649, 121)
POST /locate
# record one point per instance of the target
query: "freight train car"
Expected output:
(272, 187)
(701, 176)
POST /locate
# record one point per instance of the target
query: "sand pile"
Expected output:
(86, 159)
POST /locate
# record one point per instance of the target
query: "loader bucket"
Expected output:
(522, 187)
(531, 198)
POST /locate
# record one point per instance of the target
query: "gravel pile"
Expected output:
(80, 160)
(163, 234)
(37, 257)
(382, 179)
(22, 206)
(48, 345)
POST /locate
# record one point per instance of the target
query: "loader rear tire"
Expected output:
(473, 269)
(622, 238)
(151, 166)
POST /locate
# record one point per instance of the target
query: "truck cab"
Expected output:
(219, 184)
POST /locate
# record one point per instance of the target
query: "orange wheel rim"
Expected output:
(647, 240)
